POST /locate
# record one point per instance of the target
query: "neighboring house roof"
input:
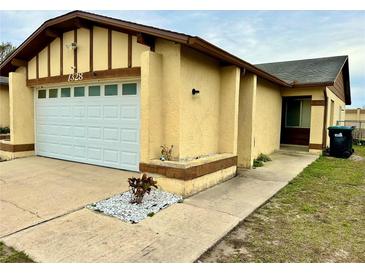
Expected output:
(312, 72)
(49, 29)
(4, 81)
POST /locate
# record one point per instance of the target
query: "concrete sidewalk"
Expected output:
(180, 233)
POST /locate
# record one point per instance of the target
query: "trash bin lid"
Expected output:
(341, 128)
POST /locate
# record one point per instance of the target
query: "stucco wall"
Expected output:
(119, 49)
(83, 50)
(21, 108)
(267, 118)
(4, 106)
(68, 53)
(228, 109)
(199, 113)
(338, 114)
(246, 119)
(119, 53)
(43, 62)
(32, 68)
(55, 61)
(100, 49)
(137, 50)
(171, 101)
(151, 106)
(317, 112)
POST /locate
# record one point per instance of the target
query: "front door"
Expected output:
(296, 119)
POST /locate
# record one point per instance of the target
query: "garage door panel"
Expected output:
(79, 131)
(79, 152)
(97, 130)
(111, 156)
(94, 133)
(111, 112)
(94, 111)
(111, 134)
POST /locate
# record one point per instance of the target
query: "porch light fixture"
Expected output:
(195, 91)
(72, 46)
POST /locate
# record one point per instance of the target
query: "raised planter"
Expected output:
(188, 177)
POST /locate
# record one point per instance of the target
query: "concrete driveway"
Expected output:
(36, 189)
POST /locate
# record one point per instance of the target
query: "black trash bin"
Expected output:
(340, 141)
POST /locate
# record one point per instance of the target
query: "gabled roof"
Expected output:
(312, 72)
(75, 19)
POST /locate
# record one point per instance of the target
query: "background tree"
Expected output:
(6, 48)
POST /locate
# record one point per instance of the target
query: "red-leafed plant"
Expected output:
(140, 186)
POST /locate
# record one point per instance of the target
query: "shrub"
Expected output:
(166, 153)
(263, 158)
(257, 163)
(140, 186)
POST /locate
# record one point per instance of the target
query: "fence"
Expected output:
(358, 133)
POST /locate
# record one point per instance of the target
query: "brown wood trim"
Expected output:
(49, 60)
(91, 49)
(18, 62)
(37, 66)
(318, 103)
(61, 54)
(75, 51)
(324, 132)
(129, 50)
(316, 146)
(4, 136)
(100, 74)
(16, 148)
(109, 49)
(190, 172)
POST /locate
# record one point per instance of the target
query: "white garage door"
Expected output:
(96, 124)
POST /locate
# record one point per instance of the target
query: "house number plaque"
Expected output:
(75, 76)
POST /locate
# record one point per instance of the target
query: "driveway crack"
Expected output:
(23, 209)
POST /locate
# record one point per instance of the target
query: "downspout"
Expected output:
(324, 137)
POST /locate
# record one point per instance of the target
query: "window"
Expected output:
(293, 113)
(129, 89)
(65, 92)
(53, 93)
(111, 90)
(298, 113)
(94, 91)
(79, 91)
(42, 93)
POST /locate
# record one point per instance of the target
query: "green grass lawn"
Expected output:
(10, 255)
(318, 217)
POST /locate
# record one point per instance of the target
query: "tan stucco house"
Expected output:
(98, 90)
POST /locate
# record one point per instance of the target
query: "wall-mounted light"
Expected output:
(72, 46)
(195, 91)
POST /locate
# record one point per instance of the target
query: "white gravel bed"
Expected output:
(119, 205)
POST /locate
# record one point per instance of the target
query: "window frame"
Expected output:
(300, 112)
(49, 93)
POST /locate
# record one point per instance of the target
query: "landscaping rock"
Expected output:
(119, 206)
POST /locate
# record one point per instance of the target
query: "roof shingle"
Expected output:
(314, 71)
